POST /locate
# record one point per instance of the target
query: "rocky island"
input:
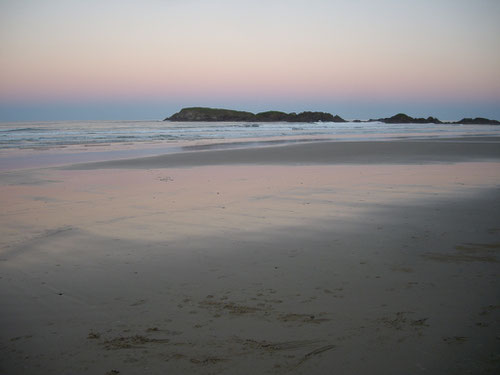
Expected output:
(218, 114)
(402, 118)
(477, 121)
(205, 114)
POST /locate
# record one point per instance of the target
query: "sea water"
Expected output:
(50, 134)
(45, 144)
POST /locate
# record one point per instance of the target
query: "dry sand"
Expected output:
(384, 263)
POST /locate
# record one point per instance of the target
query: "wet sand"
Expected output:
(375, 152)
(384, 263)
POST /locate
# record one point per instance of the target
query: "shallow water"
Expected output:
(52, 134)
(46, 144)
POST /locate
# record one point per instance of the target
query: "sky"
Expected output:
(146, 59)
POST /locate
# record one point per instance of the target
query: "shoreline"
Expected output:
(347, 152)
(34, 152)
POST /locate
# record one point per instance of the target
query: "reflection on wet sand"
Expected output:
(278, 269)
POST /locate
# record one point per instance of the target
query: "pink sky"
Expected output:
(166, 50)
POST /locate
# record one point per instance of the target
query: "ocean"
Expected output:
(54, 143)
(50, 134)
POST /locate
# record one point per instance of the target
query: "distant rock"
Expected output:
(204, 114)
(216, 114)
(337, 118)
(477, 121)
(314, 117)
(402, 118)
(211, 114)
(271, 116)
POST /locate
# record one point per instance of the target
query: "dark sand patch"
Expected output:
(128, 342)
(468, 252)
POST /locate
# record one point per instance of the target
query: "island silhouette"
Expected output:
(206, 114)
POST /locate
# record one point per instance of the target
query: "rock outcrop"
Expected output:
(402, 118)
(211, 114)
(217, 114)
(271, 116)
(204, 114)
(314, 117)
(477, 121)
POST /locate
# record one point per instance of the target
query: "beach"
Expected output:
(355, 257)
